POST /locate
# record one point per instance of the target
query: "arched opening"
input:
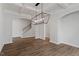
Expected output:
(69, 29)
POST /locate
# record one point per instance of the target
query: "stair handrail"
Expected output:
(26, 28)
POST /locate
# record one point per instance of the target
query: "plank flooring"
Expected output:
(38, 47)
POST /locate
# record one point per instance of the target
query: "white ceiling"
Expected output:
(46, 6)
(32, 10)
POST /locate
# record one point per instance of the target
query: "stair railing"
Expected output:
(26, 28)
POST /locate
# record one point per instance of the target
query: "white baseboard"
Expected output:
(77, 46)
(55, 42)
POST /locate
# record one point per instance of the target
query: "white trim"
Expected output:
(77, 46)
(70, 44)
(55, 42)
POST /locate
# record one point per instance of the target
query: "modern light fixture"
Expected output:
(38, 18)
(41, 17)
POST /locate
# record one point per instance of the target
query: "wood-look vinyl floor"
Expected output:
(38, 47)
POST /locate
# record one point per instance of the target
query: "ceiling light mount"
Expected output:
(37, 4)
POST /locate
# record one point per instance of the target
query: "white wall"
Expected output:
(17, 28)
(1, 28)
(18, 25)
(39, 31)
(52, 29)
(5, 27)
(69, 29)
(29, 33)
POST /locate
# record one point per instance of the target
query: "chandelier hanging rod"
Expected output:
(37, 4)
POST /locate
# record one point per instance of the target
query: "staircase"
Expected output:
(15, 48)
